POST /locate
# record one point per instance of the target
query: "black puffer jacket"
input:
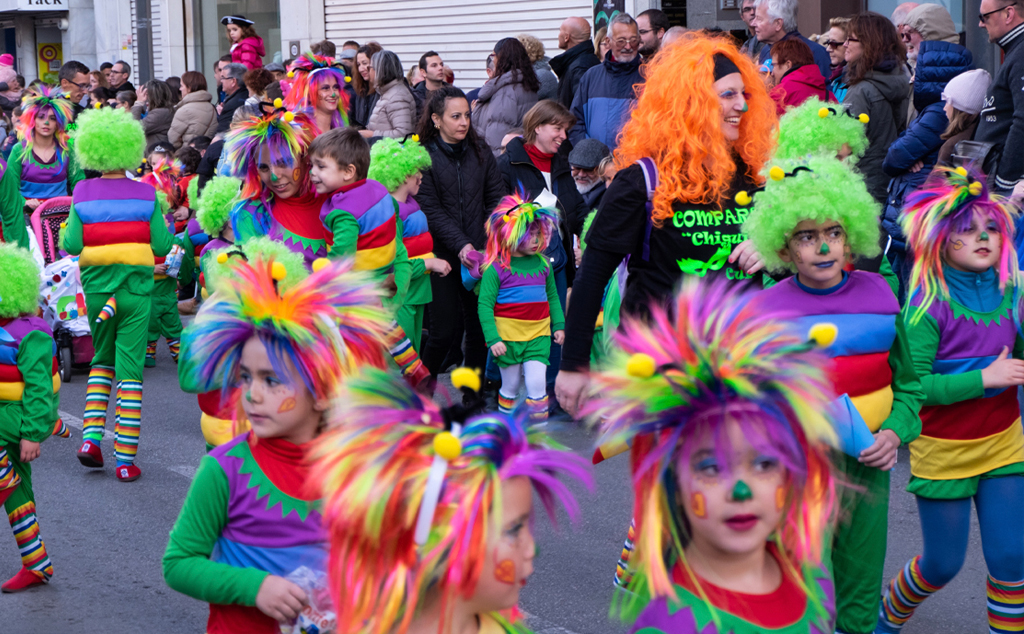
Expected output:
(518, 170)
(458, 192)
(570, 66)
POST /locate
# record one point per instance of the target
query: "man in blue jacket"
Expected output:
(605, 95)
(774, 21)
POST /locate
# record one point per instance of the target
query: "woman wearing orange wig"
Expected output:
(701, 131)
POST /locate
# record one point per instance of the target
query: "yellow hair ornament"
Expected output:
(278, 271)
(864, 118)
(63, 225)
(974, 188)
(464, 377)
(320, 263)
(962, 171)
(447, 446)
(823, 112)
(97, 105)
(640, 365)
(289, 117)
(743, 199)
(347, 79)
(222, 258)
(291, 74)
(777, 173)
(823, 334)
(278, 103)
(416, 138)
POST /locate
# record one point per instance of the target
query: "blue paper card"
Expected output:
(854, 435)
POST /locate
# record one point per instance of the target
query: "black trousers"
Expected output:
(452, 312)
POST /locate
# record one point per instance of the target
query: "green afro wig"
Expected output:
(263, 247)
(391, 162)
(192, 192)
(832, 190)
(816, 127)
(21, 276)
(215, 203)
(108, 140)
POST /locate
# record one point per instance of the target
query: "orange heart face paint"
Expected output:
(780, 497)
(959, 244)
(287, 405)
(505, 571)
(698, 505)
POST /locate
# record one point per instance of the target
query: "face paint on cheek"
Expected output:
(959, 244)
(287, 405)
(296, 174)
(505, 571)
(780, 497)
(698, 505)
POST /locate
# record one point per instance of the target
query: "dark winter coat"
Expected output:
(604, 100)
(937, 63)
(548, 80)
(230, 104)
(518, 170)
(1002, 117)
(570, 66)
(458, 193)
(360, 108)
(882, 95)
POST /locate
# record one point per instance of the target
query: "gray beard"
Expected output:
(585, 188)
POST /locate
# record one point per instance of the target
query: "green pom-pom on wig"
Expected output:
(586, 229)
(216, 202)
(22, 278)
(108, 140)
(391, 162)
(261, 247)
(831, 191)
(803, 131)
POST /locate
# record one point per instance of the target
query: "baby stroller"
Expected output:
(62, 297)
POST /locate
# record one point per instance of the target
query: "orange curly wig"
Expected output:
(677, 123)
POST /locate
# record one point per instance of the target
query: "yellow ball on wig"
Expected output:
(823, 112)
(743, 199)
(278, 103)
(640, 365)
(464, 377)
(447, 446)
(108, 140)
(222, 258)
(864, 118)
(278, 271)
(320, 263)
(776, 173)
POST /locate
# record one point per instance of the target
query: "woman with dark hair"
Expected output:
(877, 74)
(458, 193)
(175, 85)
(195, 114)
(395, 111)
(365, 92)
(508, 95)
(155, 107)
(797, 77)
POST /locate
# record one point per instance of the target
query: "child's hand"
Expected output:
(32, 203)
(499, 349)
(1003, 372)
(29, 450)
(1018, 192)
(882, 453)
(160, 269)
(280, 599)
(747, 258)
(559, 336)
(577, 255)
(437, 265)
(182, 213)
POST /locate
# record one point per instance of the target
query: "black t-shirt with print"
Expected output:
(696, 240)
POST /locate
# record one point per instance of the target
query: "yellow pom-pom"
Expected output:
(864, 118)
(347, 79)
(97, 105)
(289, 117)
(743, 199)
(278, 271)
(222, 258)
(278, 103)
(416, 138)
(464, 377)
(640, 365)
(823, 112)
(291, 74)
(320, 263)
(974, 188)
(63, 225)
(823, 334)
(777, 173)
(962, 171)
(447, 446)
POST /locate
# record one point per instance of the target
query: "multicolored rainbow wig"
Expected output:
(308, 73)
(816, 127)
(510, 225)
(164, 178)
(825, 189)
(326, 326)
(393, 162)
(944, 205)
(39, 100)
(373, 465)
(677, 122)
(279, 138)
(678, 379)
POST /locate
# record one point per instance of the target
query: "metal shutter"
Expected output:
(464, 33)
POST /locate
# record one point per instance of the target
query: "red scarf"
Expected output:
(542, 160)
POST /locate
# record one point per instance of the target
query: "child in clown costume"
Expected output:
(398, 167)
(429, 511)
(963, 330)
(813, 221)
(116, 226)
(29, 399)
(722, 407)
(249, 520)
(163, 313)
(519, 309)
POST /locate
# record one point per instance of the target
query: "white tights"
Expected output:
(536, 380)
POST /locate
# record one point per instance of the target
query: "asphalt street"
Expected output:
(106, 539)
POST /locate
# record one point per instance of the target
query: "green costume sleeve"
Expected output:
(939, 389)
(417, 268)
(557, 316)
(907, 393)
(75, 172)
(188, 263)
(72, 241)
(187, 565)
(160, 237)
(1018, 348)
(403, 269)
(345, 229)
(35, 362)
(12, 206)
(885, 270)
(488, 288)
(187, 377)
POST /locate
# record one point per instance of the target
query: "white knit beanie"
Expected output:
(966, 91)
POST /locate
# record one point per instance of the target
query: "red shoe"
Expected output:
(128, 473)
(24, 580)
(90, 455)
(6, 493)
